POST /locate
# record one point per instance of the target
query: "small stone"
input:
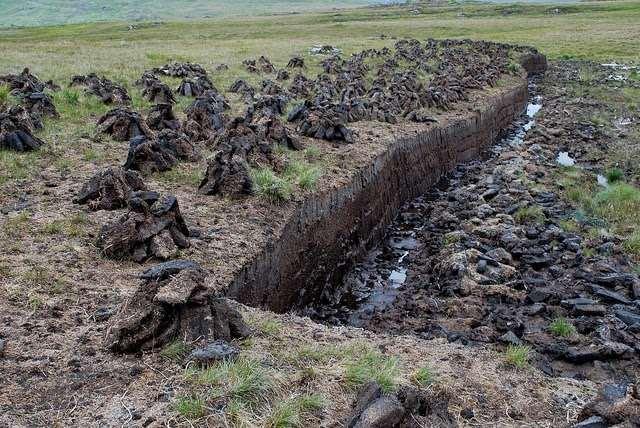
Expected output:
(467, 413)
(103, 314)
(482, 266)
(592, 422)
(385, 412)
(212, 352)
(3, 346)
(627, 317)
(592, 310)
(165, 270)
(538, 295)
(511, 338)
(609, 295)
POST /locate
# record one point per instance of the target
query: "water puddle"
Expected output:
(602, 180)
(565, 160)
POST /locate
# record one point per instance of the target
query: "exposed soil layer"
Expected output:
(328, 232)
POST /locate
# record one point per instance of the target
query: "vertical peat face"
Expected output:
(331, 230)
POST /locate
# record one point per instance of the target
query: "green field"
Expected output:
(51, 12)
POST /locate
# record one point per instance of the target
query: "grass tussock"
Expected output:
(530, 214)
(423, 376)
(271, 187)
(561, 327)
(190, 407)
(372, 366)
(73, 226)
(245, 380)
(518, 355)
(290, 413)
(174, 351)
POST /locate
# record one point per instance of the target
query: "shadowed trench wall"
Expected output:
(330, 230)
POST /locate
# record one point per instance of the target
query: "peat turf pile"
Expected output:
(16, 130)
(107, 91)
(152, 227)
(173, 302)
(110, 189)
(17, 123)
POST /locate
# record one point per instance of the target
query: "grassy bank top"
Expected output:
(598, 31)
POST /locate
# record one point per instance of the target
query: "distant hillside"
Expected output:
(51, 12)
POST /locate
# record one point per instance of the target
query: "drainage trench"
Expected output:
(373, 283)
(338, 232)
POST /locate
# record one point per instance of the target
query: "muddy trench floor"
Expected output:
(497, 255)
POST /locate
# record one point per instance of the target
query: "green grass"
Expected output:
(245, 380)
(174, 351)
(530, 214)
(66, 11)
(303, 174)
(518, 355)
(190, 407)
(372, 366)
(269, 186)
(423, 376)
(615, 175)
(619, 203)
(561, 327)
(182, 174)
(290, 413)
(4, 94)
(73, 226)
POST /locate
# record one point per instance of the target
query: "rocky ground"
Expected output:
(503, 254)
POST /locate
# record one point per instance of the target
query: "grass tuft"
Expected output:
(423, 376)
(303, 174)
(373, 366)
(190, 407)
(175, 351)
(244, 380)
(530, 214)
(518, 355)
(561, 327)
(271, 187)
(614, 175)
(290, 413)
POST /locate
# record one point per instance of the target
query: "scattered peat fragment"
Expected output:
(282, 75)
(296, 62)
(161, 116)
(175, 305)
(16, 132)
(110, 189)
(26, 83)
(181, 69)
(227, 175)
(195, 87)
(149, 155)
(243, 88)
(40, 104)
(265, 65)
(123, 124)
(325, 124)
(108, 91)
(615, 404)
(407, 407)
(158, 93)
(204, 116)
(153, 227)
